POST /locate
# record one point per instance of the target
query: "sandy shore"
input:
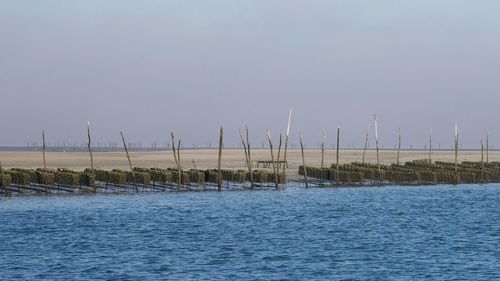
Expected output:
(207, 158)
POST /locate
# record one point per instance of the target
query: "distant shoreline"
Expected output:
(148, 149)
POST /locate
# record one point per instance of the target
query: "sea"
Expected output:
(441, 232)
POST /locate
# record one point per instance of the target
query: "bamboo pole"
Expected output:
(399, 145)
(272, 159)
(90, 152)
(338, 150)
(430, 147)
(129, 162)
(286, 139)
(219, 162)
(250, 157)
(303, 160)
(323, 149)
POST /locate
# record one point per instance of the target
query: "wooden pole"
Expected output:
(303, 160)
(376, 141)
(126, 151)
(488, 147)
(272, 159)
(179, 154)
(279, 149)
(250, 157)
(89, 148)
(247, 161)
(173, 148)
(219, 162)
(129, 162)
(430, 147)
(399, 145)
(286, 139)
(337, 177)
(90, 152)
(482, 161)
(244, 149)
(366, 141)
(177, 159)
(43, 152)
(456, 152)
(323, 149)
(44, 161)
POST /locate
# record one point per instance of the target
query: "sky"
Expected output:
(151, 67)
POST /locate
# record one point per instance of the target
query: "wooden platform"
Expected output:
(269, 163)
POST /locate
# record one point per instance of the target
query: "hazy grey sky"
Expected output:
(148, 67)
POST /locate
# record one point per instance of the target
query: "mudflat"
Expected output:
(231, 158)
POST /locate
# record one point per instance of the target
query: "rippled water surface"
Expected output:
(390, 233)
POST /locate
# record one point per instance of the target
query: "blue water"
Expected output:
(390, 233)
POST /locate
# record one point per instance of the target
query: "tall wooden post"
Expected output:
(286, 139)
(482, 161)
(323, 149)
(488, 147)
(279, 149)
(177, 160)
(249, 157)
(244, 149)
(44, 162)
(430, 147)
(179, 152)
(272, 159)
(303, 160)
(126, 151)
(129, 162)
(219, 162)
(456, 152)
(337, 178)
(43, 152)
(89, 148)
(399, 145)
(366, 141)
(90, 152)
(376, 141)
